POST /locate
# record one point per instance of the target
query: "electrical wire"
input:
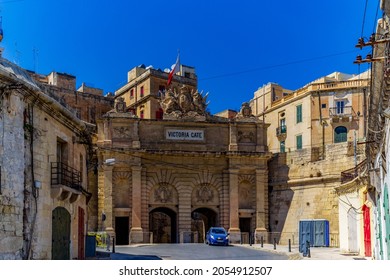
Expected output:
(364, 17)
(274, 66)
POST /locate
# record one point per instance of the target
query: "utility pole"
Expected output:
(355, 151)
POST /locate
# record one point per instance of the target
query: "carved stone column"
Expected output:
(234, 230)
(136, 235)
(261, 202)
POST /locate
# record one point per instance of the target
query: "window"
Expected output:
(282, 146)
(299, 113)
(159, 114)
(142, 91)
(142, 114)
(132, 93)
(161, 91)
(340, 134)
(299, 142)
(282, 128)
(340, 107)
(274, 97)
(323, 106)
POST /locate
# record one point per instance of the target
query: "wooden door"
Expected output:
(386, 214)
(81, 234)
(352, 231)
(60, 234)
(367, 231)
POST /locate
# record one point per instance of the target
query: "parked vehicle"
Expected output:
(217, 236)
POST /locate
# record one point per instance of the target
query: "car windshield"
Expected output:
(218, 231)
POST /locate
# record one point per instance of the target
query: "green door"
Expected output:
(379, 229)
(60, 234)
(386, 216)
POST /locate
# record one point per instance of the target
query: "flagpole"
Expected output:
(175, 69)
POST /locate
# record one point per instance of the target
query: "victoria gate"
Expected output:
(169, 180)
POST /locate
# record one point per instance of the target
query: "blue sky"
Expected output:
(235, 46)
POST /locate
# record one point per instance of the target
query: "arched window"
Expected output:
(340, 134)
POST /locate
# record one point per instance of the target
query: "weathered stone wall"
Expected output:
(48, 131)
(304, 189)
(12, 164)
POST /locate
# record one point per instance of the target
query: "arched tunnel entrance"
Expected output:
(202, 220)
(163, 225)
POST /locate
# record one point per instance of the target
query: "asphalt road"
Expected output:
(193, 252)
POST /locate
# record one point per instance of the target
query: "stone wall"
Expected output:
(305, 189)
(12, 164)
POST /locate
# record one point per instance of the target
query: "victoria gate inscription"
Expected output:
(180, 134)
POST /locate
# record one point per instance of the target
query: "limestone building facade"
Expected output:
(43, 188)
(146, 86)
(87, 102)
(313, 134)
(169, 180)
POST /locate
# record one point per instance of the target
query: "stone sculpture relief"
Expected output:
(183, 103)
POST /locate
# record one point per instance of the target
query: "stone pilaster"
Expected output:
(261, 202)
(108, 202)
(234, 230)
(136, 235)
(233, 137)
(185, 215)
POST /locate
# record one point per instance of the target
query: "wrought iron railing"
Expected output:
(63, 174)
(281, 130)
(345, 111)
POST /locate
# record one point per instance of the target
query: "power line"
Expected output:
(276, 65)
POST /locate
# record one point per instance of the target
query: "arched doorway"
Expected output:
(163, 225)
(340, 134)
(60, 234)
(202, 219)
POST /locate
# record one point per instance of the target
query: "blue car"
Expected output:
(217, 236)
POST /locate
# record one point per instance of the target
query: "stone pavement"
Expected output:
(316, 253)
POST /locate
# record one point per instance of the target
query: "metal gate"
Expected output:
(60, 234)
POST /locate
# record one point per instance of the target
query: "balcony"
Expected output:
(342, 114)
(281, 132)
(65, 182)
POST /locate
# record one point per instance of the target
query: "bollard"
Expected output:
(261, 241)
(289, 245)
(113, 244)
(108, 243)
(250, 239)
(274, 243)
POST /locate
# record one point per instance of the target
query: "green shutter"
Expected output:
(299, 142)
(299, 113)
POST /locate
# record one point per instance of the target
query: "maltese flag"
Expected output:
(174, 70)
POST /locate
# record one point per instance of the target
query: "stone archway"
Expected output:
(202, 219)
(163, 225)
